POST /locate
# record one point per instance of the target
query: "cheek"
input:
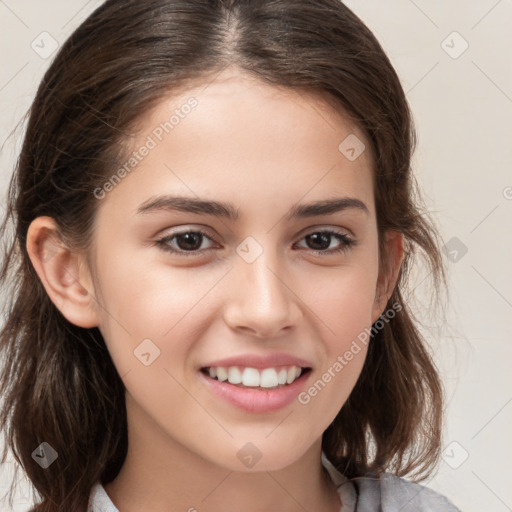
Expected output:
(142, 300)
(139, 283)
(333, 382)
(343, 305)
(343, 298)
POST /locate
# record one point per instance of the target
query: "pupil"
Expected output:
(190, 238)
(323, 238)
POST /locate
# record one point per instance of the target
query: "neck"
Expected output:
(160, 474)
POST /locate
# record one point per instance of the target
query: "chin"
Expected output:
(262, 454)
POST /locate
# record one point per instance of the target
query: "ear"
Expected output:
(389, 275)
(63, 273)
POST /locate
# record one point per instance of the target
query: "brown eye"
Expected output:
(189, 241)
(186, 243)
(319, 241)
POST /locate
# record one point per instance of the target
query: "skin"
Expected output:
(264, 149)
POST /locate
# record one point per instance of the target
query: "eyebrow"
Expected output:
(228, 211)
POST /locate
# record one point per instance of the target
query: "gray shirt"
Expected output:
(388, 493)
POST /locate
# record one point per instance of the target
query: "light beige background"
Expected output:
(462, 102)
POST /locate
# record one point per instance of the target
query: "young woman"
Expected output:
(213, 220)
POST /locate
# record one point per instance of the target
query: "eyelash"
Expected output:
(347, 243)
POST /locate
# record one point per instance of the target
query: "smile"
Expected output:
(252, 390)
(254, 377)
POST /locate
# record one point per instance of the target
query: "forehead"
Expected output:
(239, 139)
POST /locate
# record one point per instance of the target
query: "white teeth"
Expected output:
(252, 377)
(222, 374)
(281, 376)
(269, 378)
(234, 375)
(290, 376)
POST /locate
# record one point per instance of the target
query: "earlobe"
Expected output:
(62, 273)
(388, 278)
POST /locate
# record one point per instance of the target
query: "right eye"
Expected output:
(187, 242)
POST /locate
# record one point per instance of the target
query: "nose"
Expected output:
(263, 303)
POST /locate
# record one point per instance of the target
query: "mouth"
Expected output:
(256, 378)
(256, 390)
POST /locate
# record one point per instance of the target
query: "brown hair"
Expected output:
(59, 383)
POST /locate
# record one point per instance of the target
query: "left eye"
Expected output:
(324, 237)
(188, 242)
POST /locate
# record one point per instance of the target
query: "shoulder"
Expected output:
(99, 500)
(391, 493)
(387, 493)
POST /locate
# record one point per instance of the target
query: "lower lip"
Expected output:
(257, 399)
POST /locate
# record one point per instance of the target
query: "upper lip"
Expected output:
(259, 361)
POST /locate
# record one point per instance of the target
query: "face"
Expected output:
(247, 289)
